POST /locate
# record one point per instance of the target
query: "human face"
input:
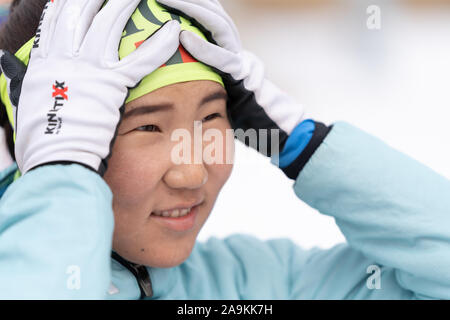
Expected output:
(144, 178)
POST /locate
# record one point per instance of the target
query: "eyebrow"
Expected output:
(138, 111)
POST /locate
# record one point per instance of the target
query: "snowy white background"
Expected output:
(393, 83)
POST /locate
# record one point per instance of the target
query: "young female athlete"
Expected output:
(95, 207)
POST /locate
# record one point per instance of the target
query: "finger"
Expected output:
(69, 18)
(152, 53)
(209, 53)
(212, 18)
(46, 28)
(90, 10)
(211, 5)
(107, 27)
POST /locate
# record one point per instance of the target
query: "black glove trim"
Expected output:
(65, 163)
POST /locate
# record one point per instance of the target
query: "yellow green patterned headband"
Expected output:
(147, 19)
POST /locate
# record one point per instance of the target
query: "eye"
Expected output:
(150, 128)
(213, 116)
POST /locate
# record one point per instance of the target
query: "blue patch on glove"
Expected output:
(296, 143)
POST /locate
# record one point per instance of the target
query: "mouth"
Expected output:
(180, 219)
(177, 211)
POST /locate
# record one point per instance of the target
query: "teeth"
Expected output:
(166, 214)
(174, 213)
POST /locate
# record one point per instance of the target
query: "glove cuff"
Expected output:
(65, 163)
(319, 133)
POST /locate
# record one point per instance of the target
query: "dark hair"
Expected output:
(21, 26)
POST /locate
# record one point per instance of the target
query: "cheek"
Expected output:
(133, 173)
(220, 171)
(218, 175)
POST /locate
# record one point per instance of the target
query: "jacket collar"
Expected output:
(7, 177)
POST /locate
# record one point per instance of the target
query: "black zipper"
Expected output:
(140, 273)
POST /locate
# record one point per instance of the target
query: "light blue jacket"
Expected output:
(57, 222)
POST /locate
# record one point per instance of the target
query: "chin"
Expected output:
(166, 263)
(166, 255)
(168, 258)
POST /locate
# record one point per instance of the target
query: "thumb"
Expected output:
(14, 71)
(152, 53)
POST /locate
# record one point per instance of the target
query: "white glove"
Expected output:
(68, 104)
(254, 102)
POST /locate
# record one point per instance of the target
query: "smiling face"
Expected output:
(145, 180)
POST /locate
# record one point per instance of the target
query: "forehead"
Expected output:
(191, 92)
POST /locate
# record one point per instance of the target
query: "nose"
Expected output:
(187, 176)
